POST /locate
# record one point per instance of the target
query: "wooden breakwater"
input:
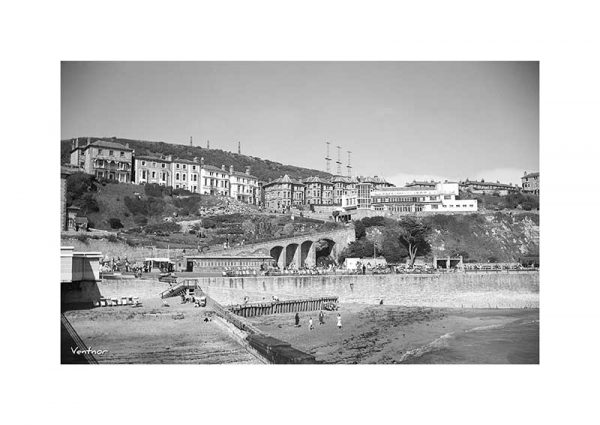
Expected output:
(286, 306)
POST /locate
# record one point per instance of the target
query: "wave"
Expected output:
(436, 344)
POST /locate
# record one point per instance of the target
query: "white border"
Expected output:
(562, 36)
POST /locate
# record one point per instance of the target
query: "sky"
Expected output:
(400, 120)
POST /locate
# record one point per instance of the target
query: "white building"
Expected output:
(214, 180)
(442, 198)
(186, 175)
(243, 186)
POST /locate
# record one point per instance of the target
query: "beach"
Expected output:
(380, 334)
(154, 334)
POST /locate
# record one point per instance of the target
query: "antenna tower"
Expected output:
(239, 148)
(349, 167)
(327, 159)
(208, 144)
(339, 161)
(191, 144)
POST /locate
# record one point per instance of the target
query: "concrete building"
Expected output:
(487, 188)
(364, 186)
(283, 193)
(149, 169)
(215, 180)
(103, 159)
(408, 200)
(243, 186)
(317, 191)
(531, 182)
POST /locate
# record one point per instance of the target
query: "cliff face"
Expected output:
(500, 237)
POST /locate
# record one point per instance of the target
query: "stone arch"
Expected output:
(324, 250)
(307, 254)
(276, 252)
(291, 251)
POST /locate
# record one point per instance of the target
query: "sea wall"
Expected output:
(477, 290)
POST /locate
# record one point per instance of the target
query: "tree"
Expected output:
(359, 229)
(413, 236)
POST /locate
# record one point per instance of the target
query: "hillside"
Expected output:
(485, 237)
(262, 168)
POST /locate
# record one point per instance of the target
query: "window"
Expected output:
(111, 153)
(162, 176)
(184, 166)
(162, 165)
(176, 165)
(143, 163)
(183, 176)
(177, 177)
(144, 174)
(154, 164)
(122, 154)
(99, 151)
(194, 167)
(153, 174)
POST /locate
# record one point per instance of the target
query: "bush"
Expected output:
(155, 190)
(82, 238)
(180, 192)
(208, 223)
(113, 238)
(115, 223)
(146, 207)
(140, 220)
(165, 227)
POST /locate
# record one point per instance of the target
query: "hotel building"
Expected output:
(443, 198)
(103, 159)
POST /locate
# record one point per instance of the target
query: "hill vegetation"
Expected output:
(263, 169)
(492, 237)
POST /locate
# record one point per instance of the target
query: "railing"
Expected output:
(177, 289)
(75, 336)
(286, 306)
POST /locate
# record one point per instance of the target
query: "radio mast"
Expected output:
(349, 167)
(327, 159)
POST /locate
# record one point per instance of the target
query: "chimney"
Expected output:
(202, 161)
(231, 169)
(73, 144)
(223, 167)
(88, 141)
(127, 145)
(525, 173)
(195, 159)
(248, 170)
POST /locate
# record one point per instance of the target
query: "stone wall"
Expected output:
(477, 290)
(472, 290)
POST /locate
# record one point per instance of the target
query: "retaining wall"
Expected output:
(478, 290)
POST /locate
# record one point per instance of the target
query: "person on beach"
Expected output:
(321, 318)
(310, 324)
(339, 321)
(297, 320)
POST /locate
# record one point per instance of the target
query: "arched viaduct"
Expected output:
(301, 251)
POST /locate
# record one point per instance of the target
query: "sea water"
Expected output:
(514, 342)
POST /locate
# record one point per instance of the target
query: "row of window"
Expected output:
(111, 152)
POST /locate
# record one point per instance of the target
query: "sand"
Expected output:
(156, 334)
(380, 334)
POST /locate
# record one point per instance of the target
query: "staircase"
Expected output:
(186, 286)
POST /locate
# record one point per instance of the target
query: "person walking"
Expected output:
(339, 321)
(310, 324)
(297, 320)
(321, 318)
